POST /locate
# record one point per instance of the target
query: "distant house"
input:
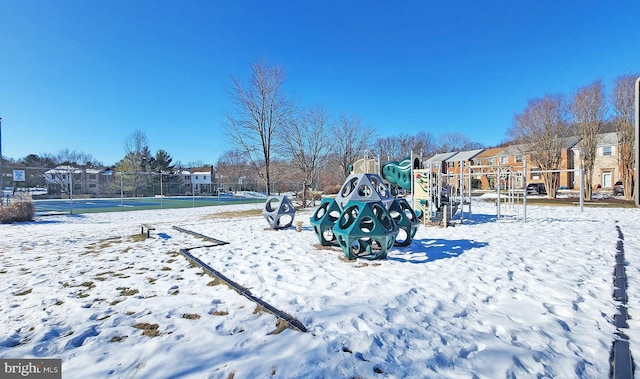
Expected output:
(487, 165)
(484, 167)
(198, 180)
(75, 180)
(606, 168)
(455, 163)
(437, 163)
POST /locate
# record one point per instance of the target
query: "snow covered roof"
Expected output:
(464, 155)
(441, 157)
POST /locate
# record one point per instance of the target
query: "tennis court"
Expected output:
(44, 207)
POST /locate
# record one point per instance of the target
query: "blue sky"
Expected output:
(84, 74)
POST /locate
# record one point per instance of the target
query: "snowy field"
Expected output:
(486, 299)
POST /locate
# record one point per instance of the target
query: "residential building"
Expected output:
(606, 168)
(198, 180)
(86, 181)
(485, 167)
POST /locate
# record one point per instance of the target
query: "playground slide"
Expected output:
(398, 174)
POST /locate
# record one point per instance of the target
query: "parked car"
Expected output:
(536, 189)
(618, 189)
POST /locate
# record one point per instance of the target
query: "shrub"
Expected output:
(332, 189)
(17, 212)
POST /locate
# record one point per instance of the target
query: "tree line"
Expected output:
(269, 130)
(273, 136)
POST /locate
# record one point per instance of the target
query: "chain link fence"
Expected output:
(75, 189)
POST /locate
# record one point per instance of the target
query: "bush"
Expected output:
(18, 212)
(332, 189)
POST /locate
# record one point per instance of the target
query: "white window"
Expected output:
(503, 160)
(519, 158)
(606, 151)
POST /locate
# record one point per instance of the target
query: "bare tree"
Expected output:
(196, 163)
(543, 128)
(72, 157)
(588, 109)
(66, 178)
(424, 144)
(401, 146)
(136, 162)
(623, 109)
(231, 167)
(306, 140)
(352, 139)
(136, 145)
(71, 170)
(259, 110)
(456, 142)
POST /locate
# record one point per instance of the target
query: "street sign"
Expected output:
(18, 176)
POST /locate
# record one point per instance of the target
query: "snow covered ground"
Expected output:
(486, 299)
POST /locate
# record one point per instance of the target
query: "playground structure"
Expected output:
(508, 182)
(440, 194)
(364, 219)
(398, 174)
(279, 212)
(444, 196)
(434, 196)
(368, 164)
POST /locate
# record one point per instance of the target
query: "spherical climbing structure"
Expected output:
(279, 212)
(365, 230)
(406, 219)
(364, 219)
(323, 220)
(364, 187)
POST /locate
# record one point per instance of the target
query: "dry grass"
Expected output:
(610, 202)
(17, 212)
(259, 309)
(25, 292)
(138, 237)
(191, 316)
(126, 291)
(234, 214)
(118, 338)
(149, 330)
(281, 326)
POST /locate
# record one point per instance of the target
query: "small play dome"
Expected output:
(279, 212)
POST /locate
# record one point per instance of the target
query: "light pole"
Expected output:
(1, 173)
